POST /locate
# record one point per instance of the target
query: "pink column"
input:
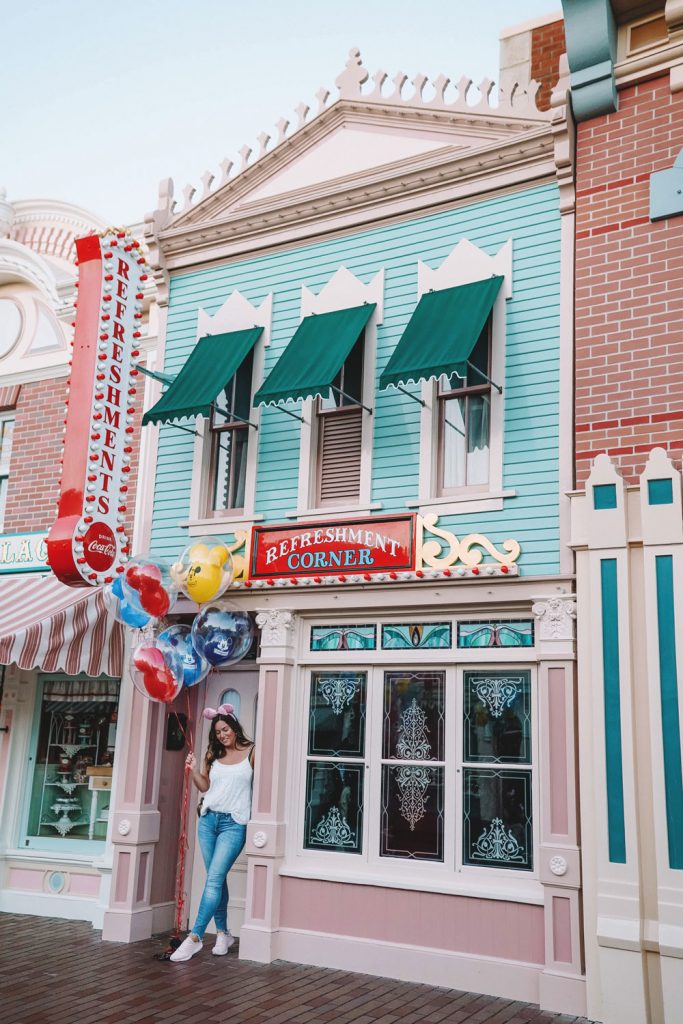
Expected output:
(136, 906)
(266, 831)
(562, 982)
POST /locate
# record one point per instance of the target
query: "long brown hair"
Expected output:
(216, 750)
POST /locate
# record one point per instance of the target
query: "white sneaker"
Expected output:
(224, 940)
(186, 950)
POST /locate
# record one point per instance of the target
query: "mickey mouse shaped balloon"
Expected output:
(152, 581)
(222, 633)
(124, 604)
(205, 570)
(157, 671)
(179, 638)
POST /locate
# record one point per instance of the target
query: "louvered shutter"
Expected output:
(339, 452)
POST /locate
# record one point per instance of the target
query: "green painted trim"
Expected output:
(660, 492)
(666, 191)
(612, 698)
(591, 35)
(604, 496)
(668, 686)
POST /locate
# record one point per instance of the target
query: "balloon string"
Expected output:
(182, 838)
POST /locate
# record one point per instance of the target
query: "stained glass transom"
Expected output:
(343, 638)
(416, 636)
(518, 633)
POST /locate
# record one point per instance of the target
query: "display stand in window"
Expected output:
(73, 756)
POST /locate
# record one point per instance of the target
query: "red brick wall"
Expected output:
(547, 45)
(33, 489)
(629, 294)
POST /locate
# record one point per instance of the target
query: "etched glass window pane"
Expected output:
(454, 451)
(497, 818)
(413, 726)
(412, 811)
(334, 807)
(497, 717)
(336, 721)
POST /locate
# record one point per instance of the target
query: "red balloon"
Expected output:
(146, 579)
(155, 601)
(158, 678)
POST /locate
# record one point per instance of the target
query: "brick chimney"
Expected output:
(531, 51)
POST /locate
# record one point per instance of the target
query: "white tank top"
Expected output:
(230, 790)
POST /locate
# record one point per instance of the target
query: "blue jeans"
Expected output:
(221, 841)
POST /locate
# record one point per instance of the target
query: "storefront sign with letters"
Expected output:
(379, 544)
(87, 544)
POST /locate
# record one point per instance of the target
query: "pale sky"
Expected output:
(101, 99)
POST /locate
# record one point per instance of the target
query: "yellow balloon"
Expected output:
(205, 573)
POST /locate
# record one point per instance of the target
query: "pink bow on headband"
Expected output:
(222, 709)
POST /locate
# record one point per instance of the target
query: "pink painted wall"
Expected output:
(4, 751)
(559, 806)
(494, 928)
(264, 797)
(84, 885)
(25, 879)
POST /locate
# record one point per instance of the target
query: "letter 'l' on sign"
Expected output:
(87, 544)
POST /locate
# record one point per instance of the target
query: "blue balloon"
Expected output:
(179, 638)
(222, 634)
(123, 600)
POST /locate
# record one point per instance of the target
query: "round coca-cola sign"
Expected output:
(99, 547)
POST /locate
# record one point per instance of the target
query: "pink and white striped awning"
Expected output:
(46, 625)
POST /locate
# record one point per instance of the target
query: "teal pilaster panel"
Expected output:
(668, 685)
(612, 699)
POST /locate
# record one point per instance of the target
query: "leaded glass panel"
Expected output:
(497, 717)
(334, 807)
(414, 710)
(508, 633)
(412, 811)
(343, 638)
(416, 636)
(336, 721)
(497, 818)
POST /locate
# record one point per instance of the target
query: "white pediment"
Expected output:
(237, 314)
(465, 264)
(348, 151)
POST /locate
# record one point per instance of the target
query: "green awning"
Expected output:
(314, 356)
(213, 361)
(441, 333)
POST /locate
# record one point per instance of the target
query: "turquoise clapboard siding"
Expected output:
(532, 219)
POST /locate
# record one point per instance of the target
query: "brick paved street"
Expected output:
(59, 972)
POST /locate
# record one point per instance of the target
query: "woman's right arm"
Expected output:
(200, 780)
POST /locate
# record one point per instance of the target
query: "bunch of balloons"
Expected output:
(178, 656)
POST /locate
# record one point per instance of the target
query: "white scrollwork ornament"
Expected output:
(496, 693)
(333, 830)
(338, 692)
(413, 782)
(413, 743)
(443, 549)
(498, 843)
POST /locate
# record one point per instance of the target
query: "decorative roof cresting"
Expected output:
(441, 94)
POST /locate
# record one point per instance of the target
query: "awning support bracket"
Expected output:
(234, 416)
(188, 430)
(411, 395)
(351, 399)
(163, 378)
(294, 415)
(485, 376)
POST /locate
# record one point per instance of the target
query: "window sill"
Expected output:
(227, 524)
(463, 504)
(335, 510)
(97, 860)
(521, 890)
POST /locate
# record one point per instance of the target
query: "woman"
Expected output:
(226, 780)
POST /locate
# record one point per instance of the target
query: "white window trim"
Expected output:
(343, 291)
(368, 868)
(236, 314)
(464, 265)
(5, 417)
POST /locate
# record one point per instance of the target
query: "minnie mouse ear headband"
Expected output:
(222, 709)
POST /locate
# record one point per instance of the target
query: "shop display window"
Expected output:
(432, 766)
(72, 759)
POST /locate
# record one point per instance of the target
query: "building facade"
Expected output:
(625, 72)
(368, 332)
(63, 708)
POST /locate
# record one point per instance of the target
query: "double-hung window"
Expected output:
(420, 765)
(464, 421)
(230, 440)
(6, 433)
(340, 433)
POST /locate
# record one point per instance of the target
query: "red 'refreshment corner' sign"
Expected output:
(347, 546)
(87, 544)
